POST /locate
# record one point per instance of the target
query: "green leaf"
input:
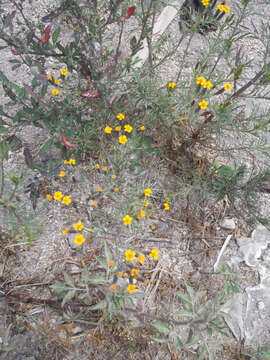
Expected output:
(44, 90)
(69, 295)
(130, 303)
(183, 313)
(55, 35)
(184, 297)
(193, 341)
(46, 146)
(97, 279)
(4, 148)
(108, 253)
(34, 82)
(68, 280)
(190, 291)
(161, 327)
(153, 150)
(85, 275)
(99, 306)
(177, 343)
(146, 141)
(59, 287)
(102, 262)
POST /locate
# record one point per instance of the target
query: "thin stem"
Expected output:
(184, 57)
(2, 177)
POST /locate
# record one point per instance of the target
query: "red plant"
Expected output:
(130, 12)
(47, 35)
(88, 94)
(14, 52)
(66, 142)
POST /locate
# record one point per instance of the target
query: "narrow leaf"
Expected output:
(183, 313)
(46, 146)
(69, 295)
(101, 305)
(55, 35)
(161, 327)
(68, 280)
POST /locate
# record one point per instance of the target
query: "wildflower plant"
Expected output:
(106, 108)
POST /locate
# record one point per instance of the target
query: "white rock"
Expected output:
(227, 224)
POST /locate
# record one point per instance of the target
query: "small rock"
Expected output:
(227, 224)
(77, 330)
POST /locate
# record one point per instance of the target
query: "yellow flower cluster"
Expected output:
(221, 7)
(203, 82)
(171, 85)
(70, 161)
(58, 196)
(205, 2)
(203, 104)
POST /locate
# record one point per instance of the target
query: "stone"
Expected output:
(227, 224)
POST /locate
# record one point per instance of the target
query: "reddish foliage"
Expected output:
(47, 35)
(88, 94)
(66, 142)
(14, 52)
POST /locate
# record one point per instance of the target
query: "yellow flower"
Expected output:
(97, 166)
(48, 77)
(205, 2)
(105, 168)
(115, 189)
(118, 128)
(208, 85)
(56, 81)
(154, 254)
(79, 239)
(122, 139)
(140, 258)
(108, 129)
(66, 162)
(66, 200)
(119, 274)
(120, 116)
(171, 85)
(127, 220)
(146, 203)
(173, 107)
(200, 80)
(114, 176)
(128, 128)
(72, 161)
(79, 226)
(111, 263)
(113, 287)
(226, 9)
(65, 231)
(228, 87)
(129, 254)
(63, 72)
(62, 173)
(142, 128)
(57, 195)
(142, 213)
(134, 272)
(166, 206)
(52, 75)
(203, 104)
(99, 188)
(94, 203)
(49, 197)
(131, 288)
(220, 7)
(147, 192)
(55, 92)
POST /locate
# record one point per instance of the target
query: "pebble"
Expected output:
(227, 224)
